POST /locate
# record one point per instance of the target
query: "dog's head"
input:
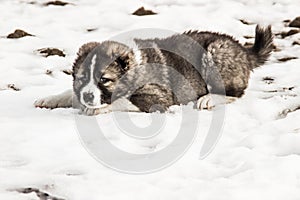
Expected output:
(98, 69)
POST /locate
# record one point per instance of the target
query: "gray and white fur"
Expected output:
(161, 72)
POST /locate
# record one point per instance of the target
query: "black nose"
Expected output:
(88, 97)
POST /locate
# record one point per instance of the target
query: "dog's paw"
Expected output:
(63, 100)
(205, 102)
(91, 111)
(96, 111)
(50, 102)
(210, 101)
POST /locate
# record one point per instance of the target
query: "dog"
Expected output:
(157, 73)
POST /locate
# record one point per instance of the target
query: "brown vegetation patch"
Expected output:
(142, 11)
(56, 3)
(285, 59)
(18, 34)
(46, 52)
(295, 23)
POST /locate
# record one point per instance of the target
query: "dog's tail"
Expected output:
(263, 45)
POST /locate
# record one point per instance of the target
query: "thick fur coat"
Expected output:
(158, 73)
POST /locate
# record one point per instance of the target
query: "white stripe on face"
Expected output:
(90, 95)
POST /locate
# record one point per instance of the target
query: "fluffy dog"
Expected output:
(158, 73)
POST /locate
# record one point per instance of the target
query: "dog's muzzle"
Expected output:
(88, 98)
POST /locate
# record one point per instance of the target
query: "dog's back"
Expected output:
(233, 61)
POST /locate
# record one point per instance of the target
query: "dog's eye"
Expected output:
(105, 80)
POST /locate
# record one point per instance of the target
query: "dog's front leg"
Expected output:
(63, 100)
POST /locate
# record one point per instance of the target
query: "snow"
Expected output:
(257, 156)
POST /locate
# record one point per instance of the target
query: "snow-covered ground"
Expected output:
(257, 157)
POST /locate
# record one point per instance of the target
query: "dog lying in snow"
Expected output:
(113, 76)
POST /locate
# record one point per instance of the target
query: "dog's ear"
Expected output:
(125, 60)
(122, 61)
(120, 53)
(82, 54)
